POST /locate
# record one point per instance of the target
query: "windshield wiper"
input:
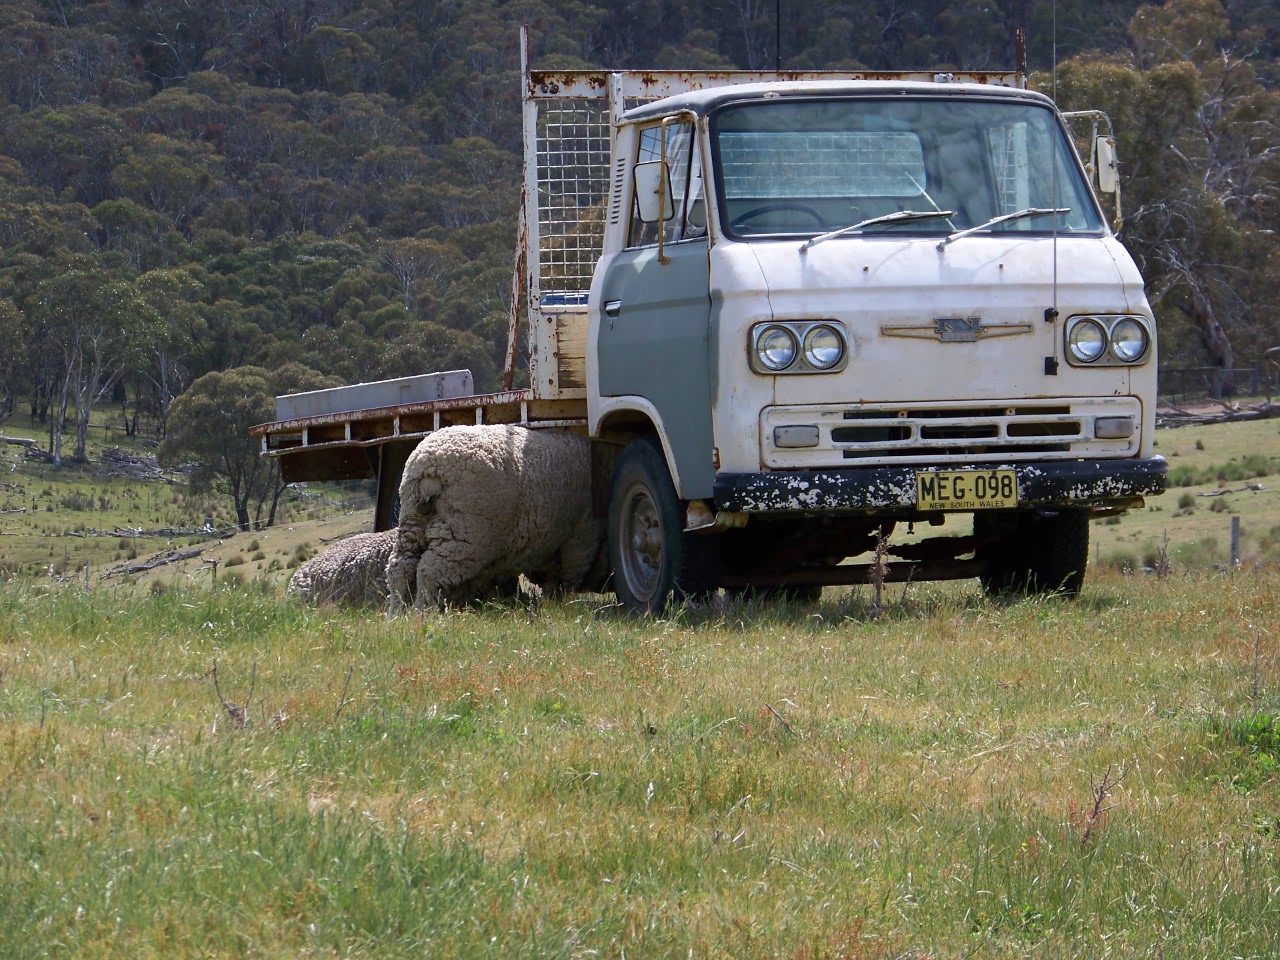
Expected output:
(900, 217)
(1020, 215)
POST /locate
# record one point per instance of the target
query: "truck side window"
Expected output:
(688, 219)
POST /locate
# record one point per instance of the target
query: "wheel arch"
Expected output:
(624, 419)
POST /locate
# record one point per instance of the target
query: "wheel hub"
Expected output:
(642, 533)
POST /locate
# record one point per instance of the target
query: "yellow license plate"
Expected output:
(966, 489)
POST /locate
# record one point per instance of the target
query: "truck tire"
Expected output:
(653, 560)
(1038, 555)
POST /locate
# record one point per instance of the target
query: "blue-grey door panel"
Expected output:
(654, 344)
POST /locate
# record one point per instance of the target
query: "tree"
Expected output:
(1196, 133)
(173, 295)
(209, 429)
(12, 350)
(96, 326)
(417, 266)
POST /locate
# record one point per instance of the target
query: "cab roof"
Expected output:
(702, 102)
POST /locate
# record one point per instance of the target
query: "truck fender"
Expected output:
(610, 407)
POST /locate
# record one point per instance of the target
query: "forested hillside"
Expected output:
(189, 187)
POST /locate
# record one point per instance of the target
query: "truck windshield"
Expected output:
(802, 168)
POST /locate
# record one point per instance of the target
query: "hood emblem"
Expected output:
(958, 330)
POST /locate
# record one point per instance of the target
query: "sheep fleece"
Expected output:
(480, 505)
(352, 572)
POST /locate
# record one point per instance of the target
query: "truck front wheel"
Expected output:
(1035, 554)
(653, 559)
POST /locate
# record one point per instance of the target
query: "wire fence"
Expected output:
(1188, 384)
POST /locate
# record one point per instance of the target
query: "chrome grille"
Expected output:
(959, 432)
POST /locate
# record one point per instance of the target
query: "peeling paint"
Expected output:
(1077, 483)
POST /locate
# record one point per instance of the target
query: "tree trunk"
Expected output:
(82, 415)
(242, 514)
(275, 502)
(1213, 335)
(58, 423)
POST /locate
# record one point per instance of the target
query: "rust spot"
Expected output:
(426, 406)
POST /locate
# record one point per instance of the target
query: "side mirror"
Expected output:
(653, 191)
(1108, 170)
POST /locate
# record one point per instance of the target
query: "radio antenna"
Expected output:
(777, 36)
(1051, 364)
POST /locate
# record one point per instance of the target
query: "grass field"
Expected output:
(54, 522)
(951, 778)
(1195, 514)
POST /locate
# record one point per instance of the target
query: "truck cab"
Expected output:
(825, 308)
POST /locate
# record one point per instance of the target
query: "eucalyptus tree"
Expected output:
(209, 432)
(12, 352)
(95, 325)
(1197, 132)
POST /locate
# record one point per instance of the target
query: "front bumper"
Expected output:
(892, 490)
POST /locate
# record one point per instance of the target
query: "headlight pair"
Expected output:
(1107, 341)
(799, 346)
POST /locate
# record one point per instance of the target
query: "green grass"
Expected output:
(1196, 514)
(754, 780)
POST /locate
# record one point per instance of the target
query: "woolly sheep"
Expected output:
(481, 505)
(352, 572)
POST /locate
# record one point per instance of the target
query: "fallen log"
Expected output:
(1247, 488)
(20, 441)
(159, 560)
(1232, 414)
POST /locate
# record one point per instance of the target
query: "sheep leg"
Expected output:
(402, 567)
(451, 565)
(579, 558)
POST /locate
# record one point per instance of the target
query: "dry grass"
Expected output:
(54, 522)
(749, 780)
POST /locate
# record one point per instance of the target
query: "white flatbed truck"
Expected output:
(793, 310)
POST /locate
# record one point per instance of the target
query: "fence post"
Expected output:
(1235, 541)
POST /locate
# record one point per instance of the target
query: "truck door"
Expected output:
(656, 311)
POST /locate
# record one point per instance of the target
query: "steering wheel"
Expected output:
(804, 208)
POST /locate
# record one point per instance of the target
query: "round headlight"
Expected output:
(1087, 340)
(1128, 340)
(776, 348)
(823, 347)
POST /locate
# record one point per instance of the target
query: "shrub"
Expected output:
(1121, 562)
(235, 561)
(1256, 465)
(1200, 554)
(1187, 502)
(75, 500)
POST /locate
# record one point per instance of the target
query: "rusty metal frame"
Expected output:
(387, 424)
(648, 85)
